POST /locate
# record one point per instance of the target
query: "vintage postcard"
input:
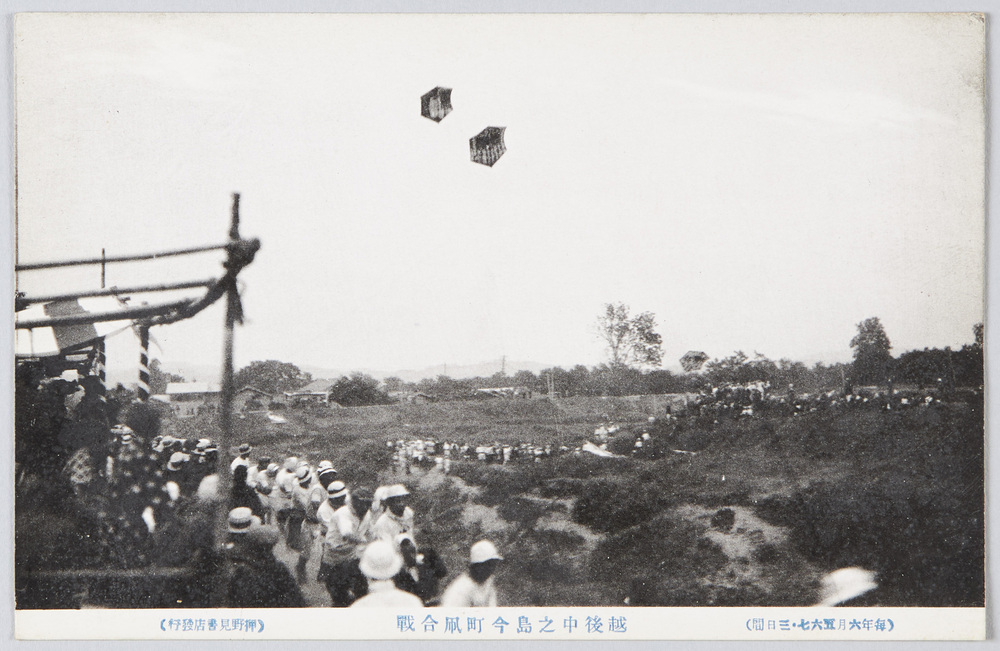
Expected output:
(485, 327)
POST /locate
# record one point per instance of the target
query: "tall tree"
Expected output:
(872, 358)
(524, 378)
(393, 383)
(357, 391)
(631, 340)
(271, 376)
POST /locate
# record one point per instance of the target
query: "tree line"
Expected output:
(634, 353)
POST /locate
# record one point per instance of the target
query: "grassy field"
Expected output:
(764, 508)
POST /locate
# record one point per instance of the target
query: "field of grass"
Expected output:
(764, 508)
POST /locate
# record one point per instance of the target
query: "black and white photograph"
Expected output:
(494, 314)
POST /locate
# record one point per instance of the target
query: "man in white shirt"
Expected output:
(284, 481)
(380, 563)
(338, 529)
(307, 496)
(397, 518)
(475, 588)
(242, 458)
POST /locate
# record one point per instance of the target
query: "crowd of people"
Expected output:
(162, 497)
(367, 542)
(424, 454)
(757, 399)
(150, 500)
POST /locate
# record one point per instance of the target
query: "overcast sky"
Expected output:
(761, 183)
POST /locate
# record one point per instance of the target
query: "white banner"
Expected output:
(507, 624)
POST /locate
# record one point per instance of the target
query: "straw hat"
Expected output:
(177, 460)
(240, 520)
(336, 489)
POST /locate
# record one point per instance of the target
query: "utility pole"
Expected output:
(233, 313)
(102, 353)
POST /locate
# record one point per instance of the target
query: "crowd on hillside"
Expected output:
(718, 403)
(432, 453)
(757, 399)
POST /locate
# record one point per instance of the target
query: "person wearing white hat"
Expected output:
(275, 499)
(326, 476)
(307, 496)
(338, 530)
(256, 579)
(284, 480)
(398, 517)
(240, 521)
(380, 563)
(260, 482)
(375, 511)
(475, 588)
(242, 457)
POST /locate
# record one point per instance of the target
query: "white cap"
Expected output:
(380, 561)
(846, 584)
(484, 551)
(325, 463)
(396, 490)
(291, 462)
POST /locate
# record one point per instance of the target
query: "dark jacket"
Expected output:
(430, 570)
(258, 580)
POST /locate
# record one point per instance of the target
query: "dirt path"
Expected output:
(314, 592)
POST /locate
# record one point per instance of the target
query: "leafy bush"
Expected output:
(610, 506)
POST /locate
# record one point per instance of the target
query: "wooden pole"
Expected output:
(226, 405)
(116, 291)
(127, 314)
(100, 349)
(121, 258)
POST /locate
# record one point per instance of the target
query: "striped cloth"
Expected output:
(49, 341)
